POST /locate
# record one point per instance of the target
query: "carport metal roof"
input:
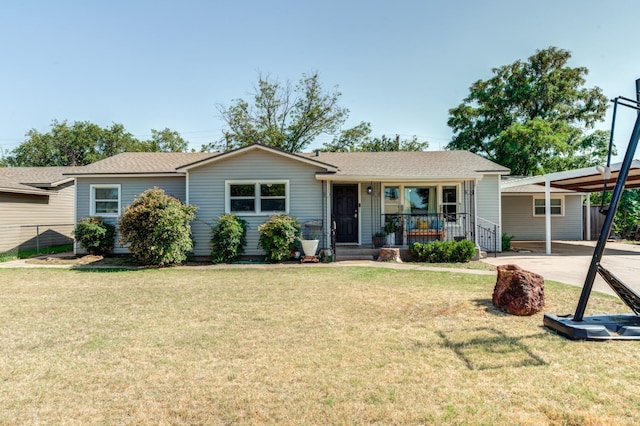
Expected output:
(588, 179)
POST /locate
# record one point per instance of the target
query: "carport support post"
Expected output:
(608, 221)
(547, 214)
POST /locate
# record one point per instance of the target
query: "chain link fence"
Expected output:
(16, 238)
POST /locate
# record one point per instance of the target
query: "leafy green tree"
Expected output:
(166, 140)
(282, 116)
(530, 116)
(358, 139)
(83, 143)
(625, 221)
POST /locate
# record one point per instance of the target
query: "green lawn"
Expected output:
(297, 345)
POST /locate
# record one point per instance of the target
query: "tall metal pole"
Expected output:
(638, 93)
(608, 222)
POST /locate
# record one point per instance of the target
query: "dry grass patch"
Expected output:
(297, 345)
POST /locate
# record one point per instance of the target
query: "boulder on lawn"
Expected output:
(517, 291)
(389, 255)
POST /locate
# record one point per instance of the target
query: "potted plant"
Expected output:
(309, 244)
(391, 227)
(379, 239)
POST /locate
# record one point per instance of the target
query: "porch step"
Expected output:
(356, 253)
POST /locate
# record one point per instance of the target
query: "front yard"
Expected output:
(297, 345)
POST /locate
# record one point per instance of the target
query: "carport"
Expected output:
(587, 180)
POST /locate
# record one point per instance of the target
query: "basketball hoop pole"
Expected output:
(608, 222)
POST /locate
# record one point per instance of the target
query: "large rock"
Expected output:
(517, 291)
(389, 254)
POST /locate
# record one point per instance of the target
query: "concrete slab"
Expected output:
(569, 261)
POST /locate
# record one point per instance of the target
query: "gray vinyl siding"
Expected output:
(518, 219)
(488, 203)
(29, 221)
(131, 188)
(207, 191)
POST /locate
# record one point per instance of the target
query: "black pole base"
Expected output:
(595, 327)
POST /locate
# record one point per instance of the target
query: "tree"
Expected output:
(358, 139)
(530, 116)
(83, 143)
(166, 140)
(282, 116)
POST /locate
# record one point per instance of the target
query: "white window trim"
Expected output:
(562, 204)
(257, 183)
(92, 196)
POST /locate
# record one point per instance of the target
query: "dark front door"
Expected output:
(345, 213)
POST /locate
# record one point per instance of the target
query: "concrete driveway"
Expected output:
(569, 261)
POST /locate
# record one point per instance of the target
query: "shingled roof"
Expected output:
(351, 165)
(142, 163)
(409, 165)
(32, 180)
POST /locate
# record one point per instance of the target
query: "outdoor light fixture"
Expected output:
(369, 190)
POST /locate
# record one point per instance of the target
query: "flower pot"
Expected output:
(378, 241)
(391, 239)
(309, 247)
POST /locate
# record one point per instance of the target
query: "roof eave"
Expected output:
(125, 175)
(230, 154)
(24, 191)
(386, 178)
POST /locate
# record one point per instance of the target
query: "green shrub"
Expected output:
(506, 242)
(229, 239)
(444, 251)
(278, 237)
(156, 227)
(463, 251)
(95, 235)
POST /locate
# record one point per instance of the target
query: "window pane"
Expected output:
(106, 193)
(243, 205)
(449, 194)
(555, 206)
(107, 207)
(272, 190)
(272, 205)
(391, 193)
(417, 199)
(450, 211)
(242, 190)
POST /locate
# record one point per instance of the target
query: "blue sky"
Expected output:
(399, 65)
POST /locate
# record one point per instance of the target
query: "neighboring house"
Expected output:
(523, 213)
(36, 207)
(427, 195)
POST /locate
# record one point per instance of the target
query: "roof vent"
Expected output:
(317, 153)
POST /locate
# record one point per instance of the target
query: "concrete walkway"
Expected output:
(569, 261)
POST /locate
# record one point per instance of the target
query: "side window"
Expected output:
(105, 200)
(556, 206)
